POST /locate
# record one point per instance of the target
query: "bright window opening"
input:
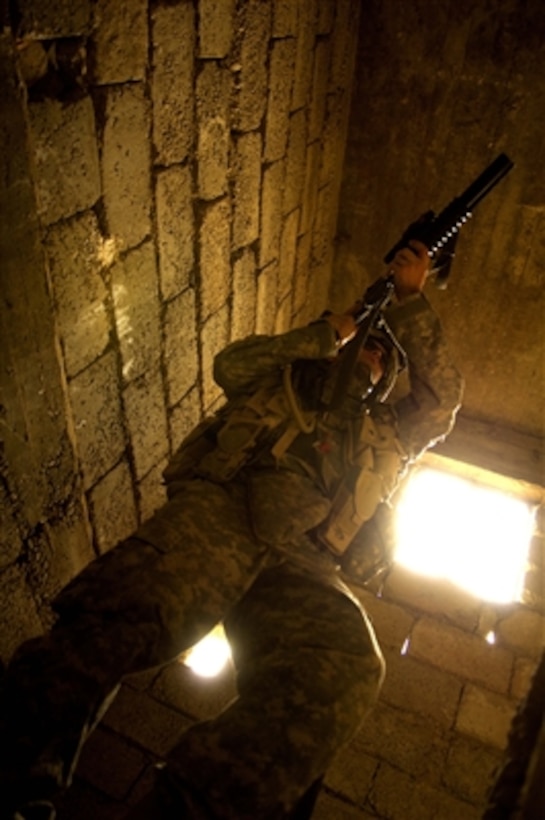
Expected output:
(472, 532)
(210, 656)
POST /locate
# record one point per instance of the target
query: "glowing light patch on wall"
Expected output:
(476, 536)
(123, 324)
(208, 657)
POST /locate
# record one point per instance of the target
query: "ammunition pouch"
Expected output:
(371, 551)
(218, 448)
(376, 466)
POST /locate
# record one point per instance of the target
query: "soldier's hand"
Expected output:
(343, 324)
(410, 267)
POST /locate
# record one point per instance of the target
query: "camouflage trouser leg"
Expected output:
(136, 607)
(309, 670)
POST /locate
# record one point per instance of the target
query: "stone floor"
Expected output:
(151, 710)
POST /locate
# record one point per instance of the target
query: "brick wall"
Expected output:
(185, 163)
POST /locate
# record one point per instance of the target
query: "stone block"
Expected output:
(277, 120)
(213, 85)
(523, 631)
(267, 299)
(120, 41)
(214, 337)
(144, 404)
(536, 551)
(271, 212)
(74, 254)
(112, 507)
(400, 797)
(285, 14)
(431, 802)
(10, 537)
(173, 33)
(110, 764)
(181, 358)
(323, 234)
(216, 23)
(215, 256)
(136, 311)
(404, 740)
(318, 297)
(126, 164)
(246, 172)
(151, 492)
(461, 653)
(295, 162)
(251, 91)
(184, 417)
(65, 157)
(244, 295)
(333, 137)
(533, 593)
(70, 541)
(96, 410)
(392, 623)
(302, 276)
(523, 672)
(197, 697)
(38, 552)
(540, 521)
(419, 688)
(485, 715)
(18, 612)
(288, 254)
(345, 37)
(326, 16)
(284, 316)
(351, 774)
(142, 681)
(470, 769)
(435, 596)
(304, 58)
(310, 190)
(145, 721)
(175, 230)
(322, 57)
(54, 18)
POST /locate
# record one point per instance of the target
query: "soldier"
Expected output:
(263, 501)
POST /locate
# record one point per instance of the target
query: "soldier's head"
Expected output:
(372, 376)
(370, 381)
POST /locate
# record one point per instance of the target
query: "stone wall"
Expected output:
(171, 178)
(172, 183)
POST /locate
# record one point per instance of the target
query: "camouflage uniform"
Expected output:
(238, 541)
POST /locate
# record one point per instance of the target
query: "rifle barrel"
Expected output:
(486, 181)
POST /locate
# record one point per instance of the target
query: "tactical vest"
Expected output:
(265, 425)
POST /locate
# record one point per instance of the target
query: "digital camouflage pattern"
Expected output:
(243, 551)
(305, 685)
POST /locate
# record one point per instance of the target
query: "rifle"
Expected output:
(439, 234)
